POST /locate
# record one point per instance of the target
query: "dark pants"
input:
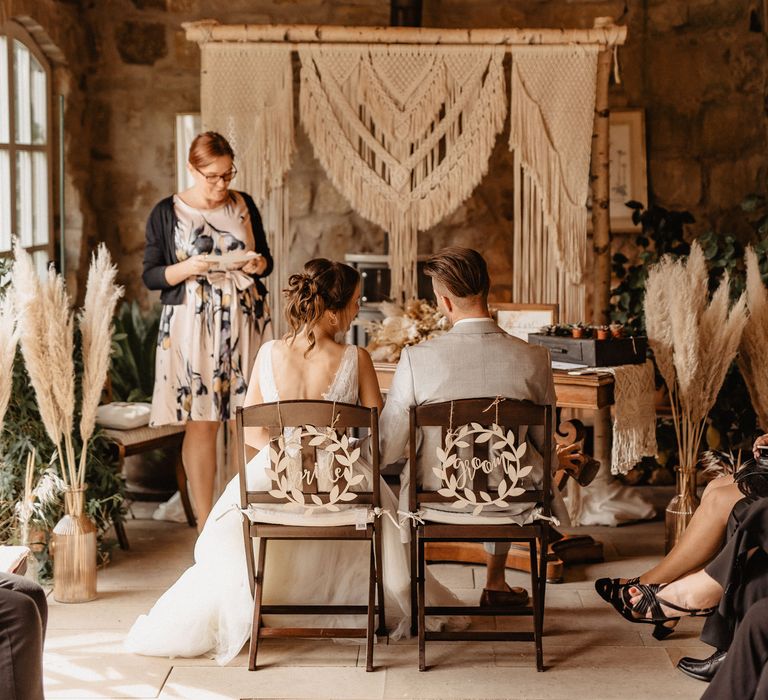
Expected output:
(23, 618)
(744, 674)
(746, 586)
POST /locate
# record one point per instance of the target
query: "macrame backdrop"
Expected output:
(247, 95)
(404, 132)
(552, 92)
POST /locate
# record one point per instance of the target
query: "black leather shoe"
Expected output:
(702, 669)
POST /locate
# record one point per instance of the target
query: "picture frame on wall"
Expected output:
(628, 169)
(188, 126)
(521, 319)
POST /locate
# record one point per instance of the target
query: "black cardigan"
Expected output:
(160, 250)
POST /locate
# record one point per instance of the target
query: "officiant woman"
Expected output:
(214, 315)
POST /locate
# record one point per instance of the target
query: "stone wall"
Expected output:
(698, 67)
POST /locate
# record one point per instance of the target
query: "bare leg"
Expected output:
(702, 538)
(494, 572)
(696, 591)
(198, 453)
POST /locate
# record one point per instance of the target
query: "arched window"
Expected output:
(26, 199)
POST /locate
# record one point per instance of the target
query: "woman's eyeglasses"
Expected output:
(214, 179)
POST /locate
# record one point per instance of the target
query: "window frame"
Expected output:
(13, 31)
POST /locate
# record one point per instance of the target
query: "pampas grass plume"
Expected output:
(752, 362)
(33, 338)
(95, 320)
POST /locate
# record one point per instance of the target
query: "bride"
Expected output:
(209, 609)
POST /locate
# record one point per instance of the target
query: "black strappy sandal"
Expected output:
(609, 588)
(650, 600)
(612, 591)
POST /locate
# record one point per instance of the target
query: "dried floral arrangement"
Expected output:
(694, 340)
(40, 399)
(402, 326)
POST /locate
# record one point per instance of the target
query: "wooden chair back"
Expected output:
(480, 437)
(324, 431)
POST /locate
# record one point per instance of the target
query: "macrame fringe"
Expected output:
(257, 121)
(541, 162)
(401, 179)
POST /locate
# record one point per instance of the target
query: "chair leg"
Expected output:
(371, 610)
(414, 579)
(422, 617)
(258, 589)
(382, 631)
(536, 593)
(543, 583)
(121, 534)
(181, 483)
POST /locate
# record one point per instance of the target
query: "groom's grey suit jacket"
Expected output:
(474, 359)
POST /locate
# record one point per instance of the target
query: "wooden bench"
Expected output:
(139, 440)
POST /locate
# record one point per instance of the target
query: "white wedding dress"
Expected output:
(209, 609)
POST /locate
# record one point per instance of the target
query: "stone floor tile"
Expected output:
(198, 683)
(81, 663)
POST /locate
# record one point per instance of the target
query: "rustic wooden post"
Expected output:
(601, 239)
(600, 180)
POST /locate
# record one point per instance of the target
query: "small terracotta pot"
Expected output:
(603, 334)
(617, 332)
(577, 332)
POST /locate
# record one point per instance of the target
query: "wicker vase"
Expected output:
(73, 544)
(682, 506)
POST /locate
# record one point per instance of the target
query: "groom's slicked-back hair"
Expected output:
(462, 271)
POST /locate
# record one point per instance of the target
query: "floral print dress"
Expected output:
(207, 345)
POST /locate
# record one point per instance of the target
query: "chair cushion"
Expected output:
(452, 517)
(122, 415)
(139, 435)
(282, 515)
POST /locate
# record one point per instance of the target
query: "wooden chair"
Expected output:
(273, 514)
(469, 430)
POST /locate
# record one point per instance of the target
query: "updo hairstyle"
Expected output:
(325, 285)
(208, 146)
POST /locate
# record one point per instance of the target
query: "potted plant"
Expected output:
(578, 330)
(602, 332)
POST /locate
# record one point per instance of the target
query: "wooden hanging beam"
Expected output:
(207, 30)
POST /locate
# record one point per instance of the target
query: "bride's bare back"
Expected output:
(301, 376)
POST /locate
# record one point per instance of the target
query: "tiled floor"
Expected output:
(589, 651)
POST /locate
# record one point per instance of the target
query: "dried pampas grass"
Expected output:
(33, 337)
(45, 327)
(694, 340)
(8, 340)
(752, 362)
(95, 319)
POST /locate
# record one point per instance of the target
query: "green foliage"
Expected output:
(662, 233)
(133, 353)
(23, 430)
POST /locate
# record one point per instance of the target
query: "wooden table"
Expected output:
(593, 392)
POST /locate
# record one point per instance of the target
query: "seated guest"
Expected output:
(728, 587)
(744, 673)
(474, 359)
(23, 619)
(723, 504)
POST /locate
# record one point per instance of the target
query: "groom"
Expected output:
(474, 359)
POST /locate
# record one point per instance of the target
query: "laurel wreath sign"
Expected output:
(344, 454)
(456, 484)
